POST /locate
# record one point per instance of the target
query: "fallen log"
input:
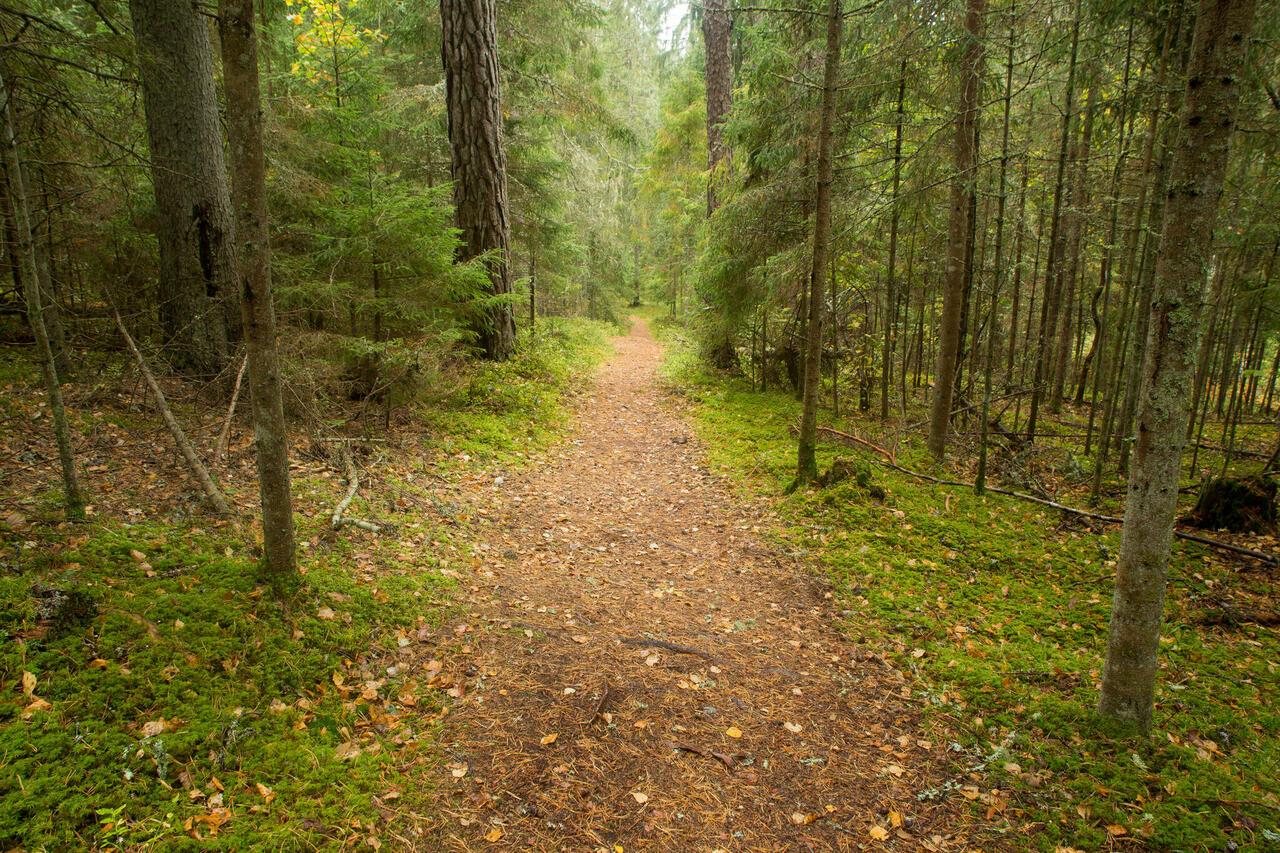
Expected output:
(1269, 559)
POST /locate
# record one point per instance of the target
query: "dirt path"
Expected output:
(644, 673)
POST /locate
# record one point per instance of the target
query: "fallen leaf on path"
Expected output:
(547, 740)
(733, 731)
(493, 835)
(794, 728)
(802, 819)
(879, 833)
(639, 797)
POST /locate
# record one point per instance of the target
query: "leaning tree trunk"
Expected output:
(807, 462)
(197, 307)
(958, 234)
(26, 258)
(479, 163)
(717, 27)
(249, 185)
(1219, 48)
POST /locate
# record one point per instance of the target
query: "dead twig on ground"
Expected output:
(646, 642)
(339, 519)
(201, 473)
(224, 434)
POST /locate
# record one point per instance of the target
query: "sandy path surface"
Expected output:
(643, 672)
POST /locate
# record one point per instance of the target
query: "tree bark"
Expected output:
(891, 292)
(806, 462)
(1219, 48)
(962, 194)
(717, 30)
(26, 259)
(1050, 305)
(249, 185)
(197, 307)
(478, 162)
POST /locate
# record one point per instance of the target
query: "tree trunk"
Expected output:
(891, 293)
(980, 480)
(958, 232)
(197, 306)
(1219, 48)
(249, 183)
(1051, 303)
(717, 29)
(478, 161)
(26, 258)
(807, 463)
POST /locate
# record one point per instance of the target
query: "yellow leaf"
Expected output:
(733, 731)
(895, 819)
(879, 833)
(547, 740)
(493, 835)
(640, 797)
(1116, 829)
(802, 819)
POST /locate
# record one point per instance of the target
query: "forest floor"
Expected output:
(642, 670)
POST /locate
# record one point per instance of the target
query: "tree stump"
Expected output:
(1244, 505)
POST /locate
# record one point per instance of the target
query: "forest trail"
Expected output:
(643, 672)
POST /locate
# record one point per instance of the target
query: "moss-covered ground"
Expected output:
(1000, 608)
(177, 703)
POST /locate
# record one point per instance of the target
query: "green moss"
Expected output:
(1001, 612)
(244, 683)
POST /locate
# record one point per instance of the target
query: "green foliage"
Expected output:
(1000, 611)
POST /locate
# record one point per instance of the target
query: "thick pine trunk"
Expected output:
(197, 308)
(1219, 48)
(717, 29)
(249, 183)
(479, 163)
(958, 232)
(806, 463)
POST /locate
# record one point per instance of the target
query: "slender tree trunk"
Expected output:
(962, 194)
(1077, 225)
(1050, 306)
(891, 295)
(806, 462)
(26, 257)
(980, 481)
(478, 161)
(197, 304)
(1219, 48)
(249, 184)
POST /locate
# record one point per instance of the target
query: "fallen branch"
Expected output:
(188, 452)
(224, 434)
(859, 441)
(645, 642)
(1270, 559)
(727, 760)
(339, 519)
